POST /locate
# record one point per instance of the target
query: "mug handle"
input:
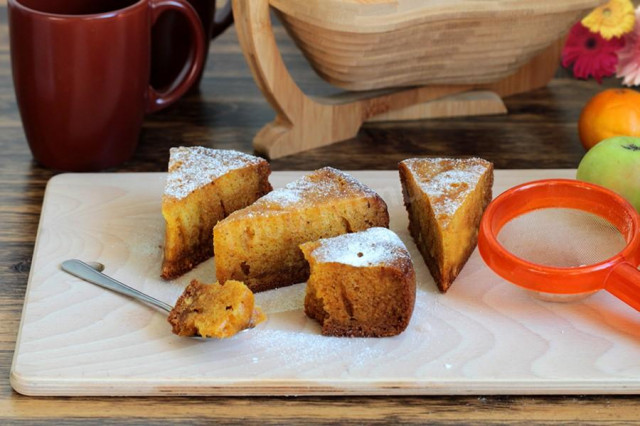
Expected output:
(159, 100)
(219, 25)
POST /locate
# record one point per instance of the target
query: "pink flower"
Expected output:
(590, 54)
(629, 56)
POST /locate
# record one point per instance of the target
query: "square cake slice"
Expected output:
(445, 199)
(203, 186)
(258, 245)
(361, 284)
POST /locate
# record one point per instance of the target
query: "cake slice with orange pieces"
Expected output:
(445, 199)
(203, 186)
(258, 245)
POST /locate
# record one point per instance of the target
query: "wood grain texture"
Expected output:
(403, 43)
(466, 104)
(539, 132)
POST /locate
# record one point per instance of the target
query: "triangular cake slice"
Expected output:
(203, 186)
(445, 199)
(258, 245)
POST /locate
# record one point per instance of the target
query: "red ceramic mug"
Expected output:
(81, 71)
(171, 40)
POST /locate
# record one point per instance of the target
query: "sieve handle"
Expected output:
(624, 283)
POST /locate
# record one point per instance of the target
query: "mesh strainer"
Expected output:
(560, 236)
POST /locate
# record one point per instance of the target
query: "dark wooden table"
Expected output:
(539, 132)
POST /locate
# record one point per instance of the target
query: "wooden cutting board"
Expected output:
(485, 336)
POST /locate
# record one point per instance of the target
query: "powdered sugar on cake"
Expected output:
(325, 183)
(191, 168)
(294, 192)
(375, 246)
(448, 181)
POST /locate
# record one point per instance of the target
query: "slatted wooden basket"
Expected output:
(414, 50)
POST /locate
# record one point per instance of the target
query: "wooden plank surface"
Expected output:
(483, 336)
(539, 132)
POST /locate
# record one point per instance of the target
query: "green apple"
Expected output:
(615, 164)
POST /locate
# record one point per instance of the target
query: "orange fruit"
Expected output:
(612, 112)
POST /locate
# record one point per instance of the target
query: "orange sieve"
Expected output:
(562, 237)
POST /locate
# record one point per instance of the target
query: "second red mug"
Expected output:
(171, 39)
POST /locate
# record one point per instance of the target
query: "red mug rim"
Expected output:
(18, 4)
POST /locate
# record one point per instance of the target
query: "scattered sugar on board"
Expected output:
(308, 348)
(448, 187)
(191, 168)
(374, 246)
(281, 299)
(146, 240)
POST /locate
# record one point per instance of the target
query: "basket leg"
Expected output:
(467, 104)
(300, 123)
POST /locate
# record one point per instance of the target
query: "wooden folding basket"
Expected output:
(398, 60)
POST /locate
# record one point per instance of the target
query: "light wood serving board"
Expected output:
(485, 336)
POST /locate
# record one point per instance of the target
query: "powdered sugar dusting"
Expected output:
(325, 183)
(294, 192)
(447, 181)
(374, 246)
(191, 168)
(306, 352)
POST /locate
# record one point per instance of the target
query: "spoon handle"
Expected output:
(82, 270)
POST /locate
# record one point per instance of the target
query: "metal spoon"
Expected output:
(91, 272)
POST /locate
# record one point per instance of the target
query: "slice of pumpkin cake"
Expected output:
(203, 186)
(445, 199)
(361, 284)
(258, 245)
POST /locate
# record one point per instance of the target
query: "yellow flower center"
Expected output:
(606, 12)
